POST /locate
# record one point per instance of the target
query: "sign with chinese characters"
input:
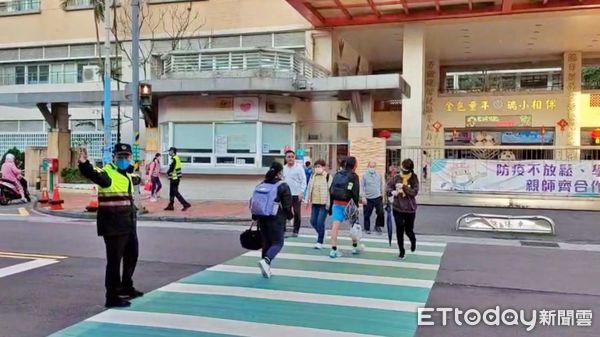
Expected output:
(498, 121)
(500, 105)
(546, 177)
(245, 108)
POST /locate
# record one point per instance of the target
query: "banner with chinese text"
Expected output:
(547, 177)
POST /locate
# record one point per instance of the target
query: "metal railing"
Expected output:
(62, 77)
(237, 63)
(19, 6)
(591, 85)
(423, 157)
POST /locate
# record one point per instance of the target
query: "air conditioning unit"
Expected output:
(91, 74)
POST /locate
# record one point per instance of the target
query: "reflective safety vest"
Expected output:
(119, 193)
(176, 174)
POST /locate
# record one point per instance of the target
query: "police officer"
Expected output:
(116, 222)
(174, 174)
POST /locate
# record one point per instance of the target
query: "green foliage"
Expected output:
(19, 157)
(71, 175)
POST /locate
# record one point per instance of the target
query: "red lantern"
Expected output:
(596, 136)
(385, 134)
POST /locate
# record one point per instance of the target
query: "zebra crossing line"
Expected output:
(366, 295)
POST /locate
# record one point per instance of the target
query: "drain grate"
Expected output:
(540, 244)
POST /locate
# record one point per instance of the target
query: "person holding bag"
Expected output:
(271, 207)
(404, 188)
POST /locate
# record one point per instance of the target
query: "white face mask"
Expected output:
(371, 170)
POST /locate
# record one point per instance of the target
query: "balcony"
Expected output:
(523, 80)
(18, 7)
(241, 62)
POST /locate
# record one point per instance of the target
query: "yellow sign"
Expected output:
(500, 105)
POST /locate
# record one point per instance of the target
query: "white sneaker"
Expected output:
(318, 246)
(265, 268)
(334, 254)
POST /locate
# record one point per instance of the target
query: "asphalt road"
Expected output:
(480, 274)
(41, 301)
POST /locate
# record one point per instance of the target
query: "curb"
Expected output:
(92, 216)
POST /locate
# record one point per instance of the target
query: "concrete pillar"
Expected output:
(572, 89)
(413, 72)
(60, 111)
(59, 139)
(363, 145)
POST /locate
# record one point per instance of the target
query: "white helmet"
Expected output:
(10, 157)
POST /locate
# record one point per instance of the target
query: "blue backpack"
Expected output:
(263, 199)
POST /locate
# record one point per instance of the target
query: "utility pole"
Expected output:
(107, 155)
(135, 76)
(135, 92)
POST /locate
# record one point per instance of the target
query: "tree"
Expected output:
(591, 77)
(178, 21)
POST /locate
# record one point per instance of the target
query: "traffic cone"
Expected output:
(44, 197)
(93, 204)
(56, 202)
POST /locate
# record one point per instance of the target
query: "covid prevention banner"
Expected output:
(541, 177)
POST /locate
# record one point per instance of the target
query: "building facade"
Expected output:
(468, 92)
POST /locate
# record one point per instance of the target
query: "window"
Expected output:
(227, 143)
(9, 126)
(235, 138)
(275, 137)
(225, 42)
(31, 126)
(19, 75)
(193, 138)
(534, 81)
(292, 39)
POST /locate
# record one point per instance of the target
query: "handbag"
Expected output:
(251, 238)
(148, 186)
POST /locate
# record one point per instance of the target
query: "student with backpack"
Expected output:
(404, 188)
(271, 207)
(345, 192)
(318, 196)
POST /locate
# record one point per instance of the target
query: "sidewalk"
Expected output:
(571, 226)
(201, 211)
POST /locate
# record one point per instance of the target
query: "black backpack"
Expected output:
(341, 187)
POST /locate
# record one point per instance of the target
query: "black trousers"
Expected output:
(377, 205)
(120, 247)
(405, 223)
(174, 193)
(297, 209)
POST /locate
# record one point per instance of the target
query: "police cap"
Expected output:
(122, 148)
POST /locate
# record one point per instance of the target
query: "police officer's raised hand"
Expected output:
(83, 155)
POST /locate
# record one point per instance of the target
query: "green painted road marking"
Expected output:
(365, 255)
(371, 294)
(316, 286)
(94, 329)
(380, 244)
(337, 318)
(340, 267)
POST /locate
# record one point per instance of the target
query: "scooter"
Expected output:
(8, 191)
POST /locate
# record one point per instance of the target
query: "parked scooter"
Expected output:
(9, 192)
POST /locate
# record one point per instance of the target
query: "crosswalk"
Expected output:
(366, 295)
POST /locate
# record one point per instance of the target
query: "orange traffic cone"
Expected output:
(93, 204)
(44, 197)
(56, 202)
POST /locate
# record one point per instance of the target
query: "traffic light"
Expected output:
(145, 95)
